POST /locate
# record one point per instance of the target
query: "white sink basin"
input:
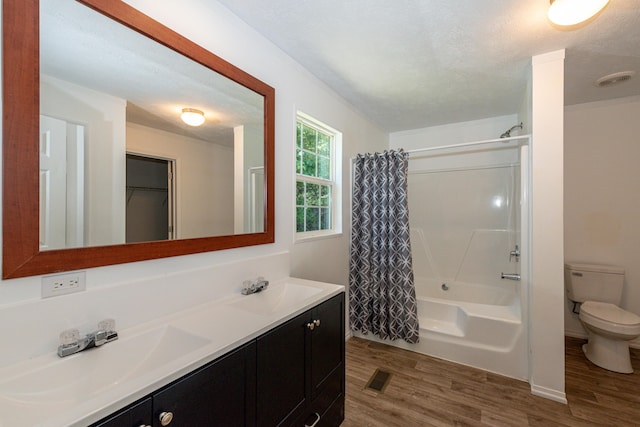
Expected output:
(76, 378)
(275, 298)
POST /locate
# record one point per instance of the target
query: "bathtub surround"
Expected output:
(542, 116)
(465, 209)
(382, 298)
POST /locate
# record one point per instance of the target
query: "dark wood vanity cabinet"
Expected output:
(292, 375)
(136, 415)
(301, 369)
(221, 393)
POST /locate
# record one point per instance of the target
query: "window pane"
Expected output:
(314, 159)
(298, 160)
(325, 195)
(309, 138)
(299, 193)
(325, 219)
(312, 195)
(324, 167)
(308, 164)
(299, 220)
(324, 144)
(312, 220)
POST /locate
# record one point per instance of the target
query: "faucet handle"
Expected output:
(69, 337)
(107, 325)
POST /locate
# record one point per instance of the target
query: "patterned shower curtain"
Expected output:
(382, 296)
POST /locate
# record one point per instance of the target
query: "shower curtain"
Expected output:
(382, 296)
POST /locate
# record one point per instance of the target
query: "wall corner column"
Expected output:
(546, 324)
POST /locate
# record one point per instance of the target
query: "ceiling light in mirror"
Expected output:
(192, 117)
(572, 12)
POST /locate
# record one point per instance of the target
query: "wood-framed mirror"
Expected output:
(42, 80)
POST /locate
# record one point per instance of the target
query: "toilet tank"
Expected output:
(593, 282)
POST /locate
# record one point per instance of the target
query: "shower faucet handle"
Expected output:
(515, 253)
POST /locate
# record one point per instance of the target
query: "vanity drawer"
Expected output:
(329, 404)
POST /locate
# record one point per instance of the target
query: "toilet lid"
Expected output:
(609, 313)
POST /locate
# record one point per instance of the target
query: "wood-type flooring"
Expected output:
(426, 391)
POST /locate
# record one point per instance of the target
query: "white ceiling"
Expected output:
(416, 63)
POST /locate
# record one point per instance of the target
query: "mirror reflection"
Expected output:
(117, 163)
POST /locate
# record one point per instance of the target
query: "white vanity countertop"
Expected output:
(83, 388)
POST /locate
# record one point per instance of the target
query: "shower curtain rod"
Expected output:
(466, 144)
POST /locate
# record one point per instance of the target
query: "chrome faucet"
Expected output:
(71, 343)
(252, 286)
(510, 276)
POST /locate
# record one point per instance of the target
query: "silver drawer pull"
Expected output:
(165, 418)
(315, 422)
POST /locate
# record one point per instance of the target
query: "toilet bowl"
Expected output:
(598, 290)
(610, 329)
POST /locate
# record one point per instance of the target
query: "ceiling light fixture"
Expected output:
(192, 117)
(572, 12)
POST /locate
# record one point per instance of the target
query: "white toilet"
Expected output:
(599, 290)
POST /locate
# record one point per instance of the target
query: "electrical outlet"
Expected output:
(63, 284)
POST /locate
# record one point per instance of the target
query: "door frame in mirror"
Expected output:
(21, 255)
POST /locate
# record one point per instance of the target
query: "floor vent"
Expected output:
(379, 380)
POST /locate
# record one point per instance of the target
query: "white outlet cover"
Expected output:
(63, 284)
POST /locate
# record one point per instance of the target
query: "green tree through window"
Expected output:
(315, 178)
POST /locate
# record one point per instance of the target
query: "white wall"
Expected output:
(546, 334)
(204, 177)
(215, 28)
(601, 185)
(454, 133)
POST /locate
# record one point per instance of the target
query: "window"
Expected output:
(317, 190)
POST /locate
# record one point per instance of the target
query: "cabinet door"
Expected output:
(220, 394)
(137, 415)
(327, 342)
(281, 380)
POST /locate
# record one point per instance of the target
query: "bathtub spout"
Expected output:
(510, 276)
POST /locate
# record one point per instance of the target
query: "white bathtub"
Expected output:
(472, 324)
(504, 292)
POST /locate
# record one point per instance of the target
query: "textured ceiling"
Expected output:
(417, 63)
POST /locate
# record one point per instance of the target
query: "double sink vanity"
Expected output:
(275, 357)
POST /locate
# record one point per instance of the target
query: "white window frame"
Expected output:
(335, 182)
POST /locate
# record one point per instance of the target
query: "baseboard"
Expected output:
(575, 334)
(348, 335)
(547, 393)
